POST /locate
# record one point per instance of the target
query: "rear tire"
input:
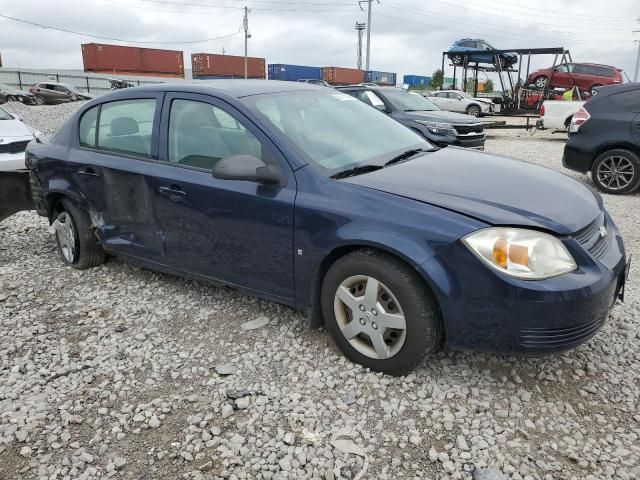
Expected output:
(616, 172)
(10, 98)
(39, 100)
(457, 59)
(541, 81)
(77, 245)
(382, 291)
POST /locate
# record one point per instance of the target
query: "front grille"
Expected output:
(477, 129)
(559, 337)
(15, 147)
(591, 238)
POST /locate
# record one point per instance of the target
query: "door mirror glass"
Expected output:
(247, 168)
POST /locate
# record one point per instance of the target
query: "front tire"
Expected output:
(77, 246)
(39, 100)
(10, 98)
(474, 110)
(616, 172)
(379, 312)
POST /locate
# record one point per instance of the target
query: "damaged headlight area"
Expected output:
(521, 253)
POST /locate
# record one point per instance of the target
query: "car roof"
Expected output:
(612, 89)
(232, 87)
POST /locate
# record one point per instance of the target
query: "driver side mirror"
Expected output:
(247, 168)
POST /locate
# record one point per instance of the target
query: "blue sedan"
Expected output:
(311, 198)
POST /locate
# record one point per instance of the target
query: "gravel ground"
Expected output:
(121, 372)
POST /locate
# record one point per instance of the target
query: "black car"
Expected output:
(423, 116)
(604, 138)
(10, 94)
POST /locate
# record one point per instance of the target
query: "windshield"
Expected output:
(408, 101)
(4, 115)
(335, 131)
(71, 88)
(464, 94)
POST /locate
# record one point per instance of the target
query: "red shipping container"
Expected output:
(342, 76)
(212, 64)
(99, 57)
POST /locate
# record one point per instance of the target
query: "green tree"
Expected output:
(488, 86)
(437, 79)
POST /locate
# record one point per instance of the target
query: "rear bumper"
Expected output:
(10, 162)
(576, 157)
(486, 310)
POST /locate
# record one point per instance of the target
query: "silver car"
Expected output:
(457, 101)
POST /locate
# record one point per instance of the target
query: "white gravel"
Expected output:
(121, 372)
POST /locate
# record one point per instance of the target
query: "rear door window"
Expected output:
(126, 126)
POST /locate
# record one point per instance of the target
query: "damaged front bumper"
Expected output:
(15, 193)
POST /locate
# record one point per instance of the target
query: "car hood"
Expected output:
(13, 128)
(483, 100)
(494, 189)
(441, 116)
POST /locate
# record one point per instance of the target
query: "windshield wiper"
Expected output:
(350, 172)
(408, 154)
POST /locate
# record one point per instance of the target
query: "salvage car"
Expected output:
(53, 93)
(477, 50)
(307, 196)
(557, 114)
(604, 138)
(10, 94)
(421, 115)
(457, 101)
(588, 77)
(14, 137)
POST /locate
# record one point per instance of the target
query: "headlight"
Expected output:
(521, 253)
(438, 128)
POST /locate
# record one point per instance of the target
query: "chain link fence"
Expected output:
(90, 83)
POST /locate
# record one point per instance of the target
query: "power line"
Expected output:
(457, 20)
(102, 37)
(264, 9)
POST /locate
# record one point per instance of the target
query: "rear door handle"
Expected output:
(89, 172)
(173, 192)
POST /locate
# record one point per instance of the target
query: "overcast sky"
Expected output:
(408, 36)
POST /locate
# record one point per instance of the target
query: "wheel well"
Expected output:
(624, 146)
(315, 317)
(54, 203)
(568, 120)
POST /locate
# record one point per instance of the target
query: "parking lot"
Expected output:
(121, 372)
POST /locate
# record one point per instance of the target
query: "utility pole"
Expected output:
(245, 25)
(368, 2)
(359, 28)
(635, 75)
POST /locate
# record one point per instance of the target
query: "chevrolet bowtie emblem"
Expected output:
(603, 231)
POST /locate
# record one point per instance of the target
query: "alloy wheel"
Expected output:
(474, 111)
(541, 82)
(66, 234)
(456, 59)
(616, 172)
(39, 100)
(370, 317)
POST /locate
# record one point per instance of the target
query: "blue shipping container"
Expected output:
(293, 73)
(416, 81)
(381, 78)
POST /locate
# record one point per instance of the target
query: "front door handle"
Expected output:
(89, 172)
(173, 192)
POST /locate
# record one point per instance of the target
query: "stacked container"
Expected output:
(380, 78)
(342, 76)
(293, 73)
(116, 59)
(416, 81)
(212, 65)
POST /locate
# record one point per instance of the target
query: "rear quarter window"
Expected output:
(87, 128)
